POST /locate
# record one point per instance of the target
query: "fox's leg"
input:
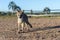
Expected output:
(23, 25)
(19, 25)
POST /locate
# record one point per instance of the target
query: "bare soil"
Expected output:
(43, 29)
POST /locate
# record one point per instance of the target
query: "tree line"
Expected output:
(14, 8)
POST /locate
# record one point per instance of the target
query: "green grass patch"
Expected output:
(45, 16)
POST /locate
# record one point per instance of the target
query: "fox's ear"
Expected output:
(18, 10)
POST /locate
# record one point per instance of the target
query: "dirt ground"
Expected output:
(43, 29)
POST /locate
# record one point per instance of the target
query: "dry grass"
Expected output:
(43, 29)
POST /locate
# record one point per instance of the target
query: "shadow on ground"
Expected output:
(45, 28)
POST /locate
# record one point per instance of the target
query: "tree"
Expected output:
(46, 10)
(13, 6)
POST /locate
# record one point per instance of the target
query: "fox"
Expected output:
(22, 19)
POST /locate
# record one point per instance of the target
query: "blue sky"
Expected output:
(31, 4)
